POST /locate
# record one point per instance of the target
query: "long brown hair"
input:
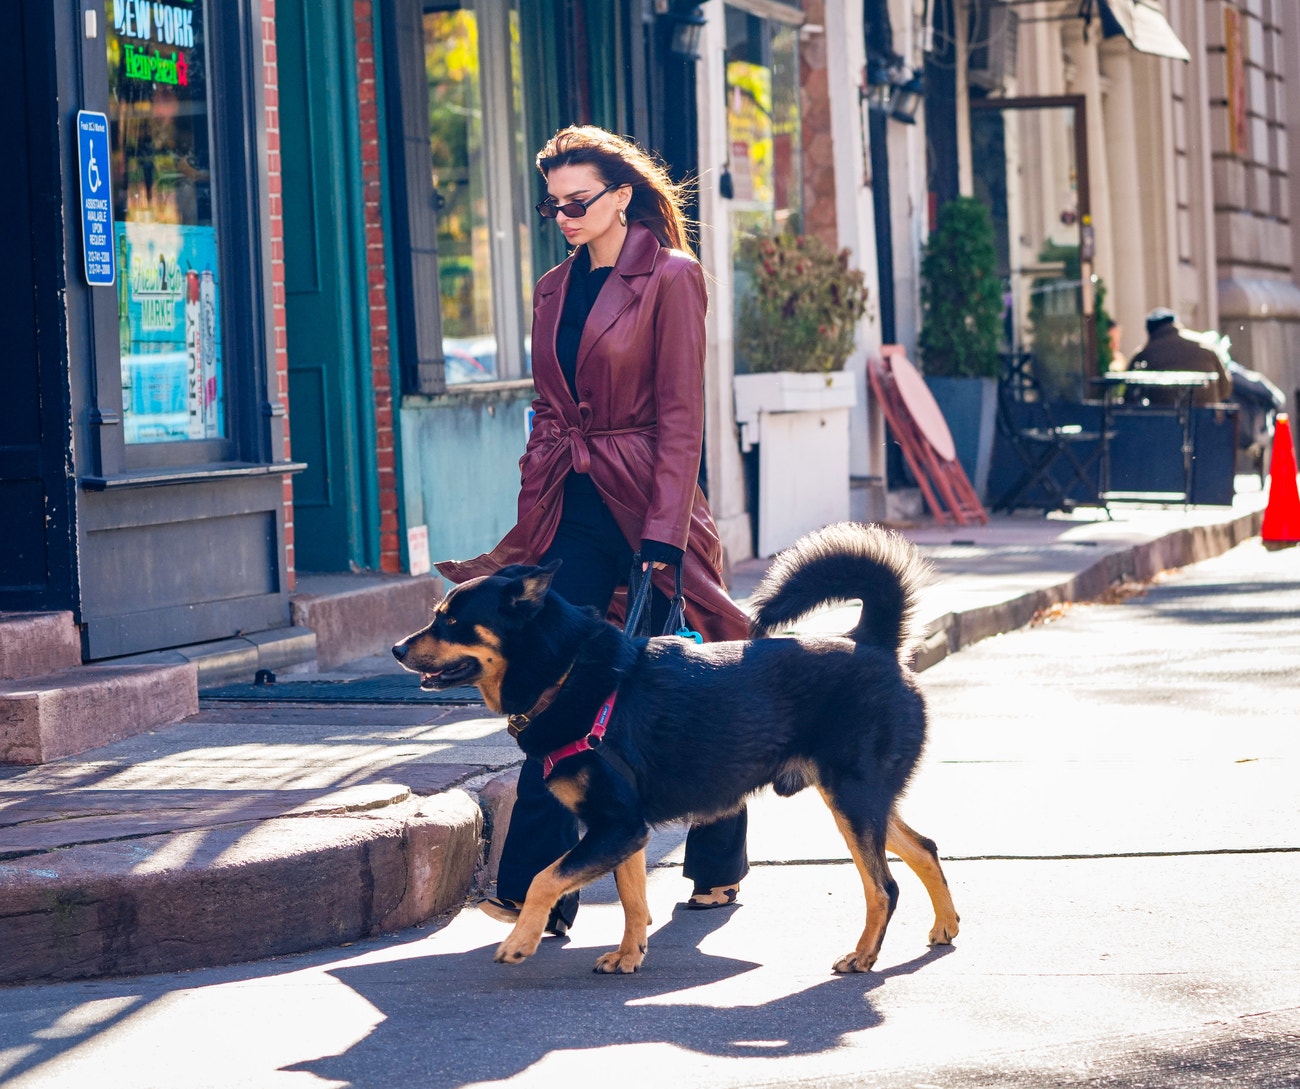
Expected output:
(657, 200)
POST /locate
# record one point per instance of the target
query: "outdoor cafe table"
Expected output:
(1183, 384)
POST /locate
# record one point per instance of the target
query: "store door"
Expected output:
(1031, 171)
(325, 288)
(36, 490)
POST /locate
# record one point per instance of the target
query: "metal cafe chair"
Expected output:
(1057, 459)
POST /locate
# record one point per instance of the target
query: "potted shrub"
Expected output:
(803, 312)
(961, 328)
(795, 330)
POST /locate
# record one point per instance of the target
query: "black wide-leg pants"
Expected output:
(596, 560)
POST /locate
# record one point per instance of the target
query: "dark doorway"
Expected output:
(36, 484)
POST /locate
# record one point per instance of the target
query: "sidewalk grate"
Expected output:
(383, 689)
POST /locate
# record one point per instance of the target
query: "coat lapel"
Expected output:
(615, 297)
(625, 284)
(551, 292)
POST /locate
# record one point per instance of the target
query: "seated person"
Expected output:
(1170, 347)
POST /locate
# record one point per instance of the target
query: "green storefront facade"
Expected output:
(411, 245)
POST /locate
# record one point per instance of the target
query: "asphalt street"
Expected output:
(1114, 793)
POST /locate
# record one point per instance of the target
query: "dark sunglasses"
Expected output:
(548, 209)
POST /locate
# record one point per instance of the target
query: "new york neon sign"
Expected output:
(163, 24)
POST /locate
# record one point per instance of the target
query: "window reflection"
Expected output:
(456, 145)
(762, 133)
(525, 169)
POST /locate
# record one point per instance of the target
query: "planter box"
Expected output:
(797, 426)
(787, 391)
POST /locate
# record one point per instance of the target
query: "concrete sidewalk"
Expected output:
(257, 829)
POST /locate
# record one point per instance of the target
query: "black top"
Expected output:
(582, 502)
(585, 283)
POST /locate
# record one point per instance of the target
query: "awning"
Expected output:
(1143, 25)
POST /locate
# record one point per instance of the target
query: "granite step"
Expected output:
(364, 613)
(36, 643)
(68, 711)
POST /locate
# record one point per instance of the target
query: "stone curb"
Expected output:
(947, 634)
(238, 892)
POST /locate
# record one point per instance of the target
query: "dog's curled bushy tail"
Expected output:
(842, 562)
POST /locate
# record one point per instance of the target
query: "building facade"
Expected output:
(144, 471)
(237, 218)
(1142, 144)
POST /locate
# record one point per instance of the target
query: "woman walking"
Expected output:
(612, 463)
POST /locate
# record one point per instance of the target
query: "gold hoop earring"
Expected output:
(622, 217)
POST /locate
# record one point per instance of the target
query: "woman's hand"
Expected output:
(659, 554)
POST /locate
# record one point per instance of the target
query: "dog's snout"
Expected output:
(399, 651)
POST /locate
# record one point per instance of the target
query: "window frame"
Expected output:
(238, 155)
(415, 270)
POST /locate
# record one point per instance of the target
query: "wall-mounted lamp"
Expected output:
(879, 88)
(893, 88)
(906, 100)
(688, 27)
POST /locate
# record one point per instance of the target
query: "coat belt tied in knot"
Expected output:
(578, 449)
(578, 434)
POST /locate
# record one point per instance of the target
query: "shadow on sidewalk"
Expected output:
(486, 1021)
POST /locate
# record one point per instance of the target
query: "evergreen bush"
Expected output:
(961, 294)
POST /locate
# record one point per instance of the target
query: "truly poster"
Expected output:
(170, 331)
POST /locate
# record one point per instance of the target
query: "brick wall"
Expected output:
(390, 552)
(815, 119)
(279, 350)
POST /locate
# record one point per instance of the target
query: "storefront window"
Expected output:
(456, 144)
(762, 131)
(169, 284)
(763, 121)
(526, 169)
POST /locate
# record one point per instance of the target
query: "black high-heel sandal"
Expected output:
(728, 894)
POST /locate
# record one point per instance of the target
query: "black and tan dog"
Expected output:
(637, 732)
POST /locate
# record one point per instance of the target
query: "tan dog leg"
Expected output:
(546, 888)
(920, 854)
(879, 890)
(627, 958)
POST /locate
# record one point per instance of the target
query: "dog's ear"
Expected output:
(524, 594)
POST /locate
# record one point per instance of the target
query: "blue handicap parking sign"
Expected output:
(96, 199)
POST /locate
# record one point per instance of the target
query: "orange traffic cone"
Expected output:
(1281, 528)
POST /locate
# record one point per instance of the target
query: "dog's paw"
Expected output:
(516, 948)
(853, 962)
(620, 962)
(944, 931)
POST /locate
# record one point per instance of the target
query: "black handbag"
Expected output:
(639, 584)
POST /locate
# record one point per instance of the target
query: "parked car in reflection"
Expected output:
(470, 359)
(474, 359)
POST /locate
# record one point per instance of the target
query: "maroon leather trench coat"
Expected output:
(637, 429)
